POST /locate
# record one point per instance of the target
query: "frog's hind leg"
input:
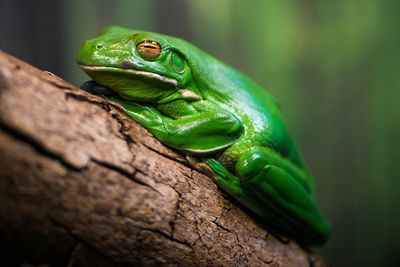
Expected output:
(233, 185)
(285, 193)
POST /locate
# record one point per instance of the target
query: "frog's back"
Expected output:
(259, 112)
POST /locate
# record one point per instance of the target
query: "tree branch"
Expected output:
(84, 185)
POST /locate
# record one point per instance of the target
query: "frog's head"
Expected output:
(140, 66)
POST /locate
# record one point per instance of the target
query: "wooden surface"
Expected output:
(84, 185)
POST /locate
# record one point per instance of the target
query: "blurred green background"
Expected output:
(334, 66)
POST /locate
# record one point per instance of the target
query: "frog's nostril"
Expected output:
(99, 46)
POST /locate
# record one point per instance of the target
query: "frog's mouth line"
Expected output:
(147, 74)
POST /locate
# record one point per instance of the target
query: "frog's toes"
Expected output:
(205, 169)
(221, 173)
(217, 167)
(200, 166)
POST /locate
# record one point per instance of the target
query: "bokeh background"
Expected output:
(333, 65)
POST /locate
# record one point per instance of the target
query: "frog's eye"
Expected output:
(177, 62)
(149, 50)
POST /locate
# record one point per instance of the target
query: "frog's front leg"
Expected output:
(144, 113)
(196, 129)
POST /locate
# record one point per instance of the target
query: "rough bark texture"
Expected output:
(84, 185)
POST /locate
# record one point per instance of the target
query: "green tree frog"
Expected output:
(192, 102)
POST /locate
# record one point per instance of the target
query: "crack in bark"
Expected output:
(168, 156)
(36, 145)
(79, 240)
(170, 238)
(73, 253)
(130, 175)
(105, 104)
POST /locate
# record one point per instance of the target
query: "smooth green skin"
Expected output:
(215, 112)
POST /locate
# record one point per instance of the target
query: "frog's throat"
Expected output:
(147, 74)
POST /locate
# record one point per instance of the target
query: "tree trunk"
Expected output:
(82, 184)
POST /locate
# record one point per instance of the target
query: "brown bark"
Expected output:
(84, 185)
